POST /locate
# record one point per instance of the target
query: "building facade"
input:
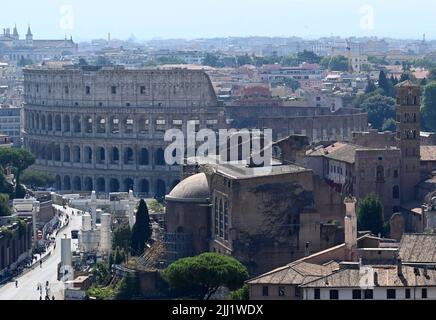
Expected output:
(103, 128)
(10, 123)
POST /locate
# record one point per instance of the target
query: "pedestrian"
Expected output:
(16, 283)
(40, 263)
(53, 297)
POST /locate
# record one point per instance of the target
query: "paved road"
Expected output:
(27, 283)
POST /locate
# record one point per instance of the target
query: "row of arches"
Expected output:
(37, 121)
(98, 155)
(105, 185)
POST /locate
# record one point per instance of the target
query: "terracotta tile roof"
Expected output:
(386, 276)
(418, 248)
(428, 153)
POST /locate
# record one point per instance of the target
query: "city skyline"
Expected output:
(193, 20)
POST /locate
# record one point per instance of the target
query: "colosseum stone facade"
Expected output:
(103, 128)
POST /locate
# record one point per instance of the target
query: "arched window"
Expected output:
(67, 124)
(144, 159)
(380, 174)
(396, 192)
(160, 157)
(114, 185)
(115, 156)
(128, 156)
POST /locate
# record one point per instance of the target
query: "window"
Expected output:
(391, 294)
(297, 292)
(317, 294)
(142, 89)
(160, 122)
(395, 173)
(281, 291)
(265, 291)
(424, 293)
(212, 122)
(114, 90)
(357, 294)
(407, 293)
(396, 192)
(369, 294)
(334, 294)
(177, 122)
(380, 173)
(67, 90)
(88, 90)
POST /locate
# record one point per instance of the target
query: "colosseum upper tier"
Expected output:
(103, 128)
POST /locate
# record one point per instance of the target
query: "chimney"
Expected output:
(400, 267)
(350, 221)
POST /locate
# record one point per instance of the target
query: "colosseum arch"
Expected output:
(67, 154)
(89, 122)
(128, 125)
(160, 190)
(67, 123)
(115, 125)
(57, 153)
(58, 183)
(37, 121)
(129, 184)
(77, 184)
(144, 159)
(101, 185)
(58, 123)
(160, 157)
(114, 185)
(43, 122)
(32, 120)
(129, 157)
(143, 125)
(49, 152)
(88, 155)
(115, 155)
(144, 186)
(49, 122)
(77, 125)
(101, 125)
(42, 152)
(67, 183)
(88, 184)
(101, 155)
(77, 156)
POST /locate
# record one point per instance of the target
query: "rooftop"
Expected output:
(418, 248)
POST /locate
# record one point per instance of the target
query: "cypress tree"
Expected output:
(141, 231)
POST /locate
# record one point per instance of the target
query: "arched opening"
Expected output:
(58, 123)
(42, 152)
(88, 184)
(143, 125)
(32, 121)
(160, 157)
(77, 126)
(128, 125)
(37, 121)
(129, 184)
(88, 125)
(160, 189)
(114, 185)
(77, 157)
(101, 155)
(67, 154)
(396, 192)
(101, 185)
(67, 183)
(58, 183)
(128, 156)
(67, 123)
(115, 125)
(57, 153)
(77, 184)
(88, 155)
(50, 122)
(115, 158)
(101, 125)
(49, 152)
(144, 158)
(144, 186)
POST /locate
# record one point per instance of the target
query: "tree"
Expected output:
(241, 294)
(371, 87)
(201, 276)
(101, 273)
(432, 74)
(370, 214)
(101, 293)
(380, 108)
(338, 63)
(429, 106)
(141, 231)
(129, 287)
(243, 60)
(212, 60)
(4, 205)
(121, 237)
(308, 57)
(37, 179)
(291, 83)
(389, 125)
(23, 62)
(384, 84)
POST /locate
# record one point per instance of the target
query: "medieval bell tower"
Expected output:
(408, 137)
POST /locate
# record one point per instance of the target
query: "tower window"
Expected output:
(114, 90)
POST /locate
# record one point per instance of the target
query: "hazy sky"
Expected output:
(149, 19)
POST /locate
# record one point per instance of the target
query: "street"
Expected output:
(28, 283)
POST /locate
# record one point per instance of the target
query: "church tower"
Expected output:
(408, 137)
(29, 36)
(16, 35)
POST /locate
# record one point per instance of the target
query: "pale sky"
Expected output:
(149, 19)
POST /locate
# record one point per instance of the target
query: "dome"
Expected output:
(193, 189)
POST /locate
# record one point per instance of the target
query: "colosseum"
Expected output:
(103, 128)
